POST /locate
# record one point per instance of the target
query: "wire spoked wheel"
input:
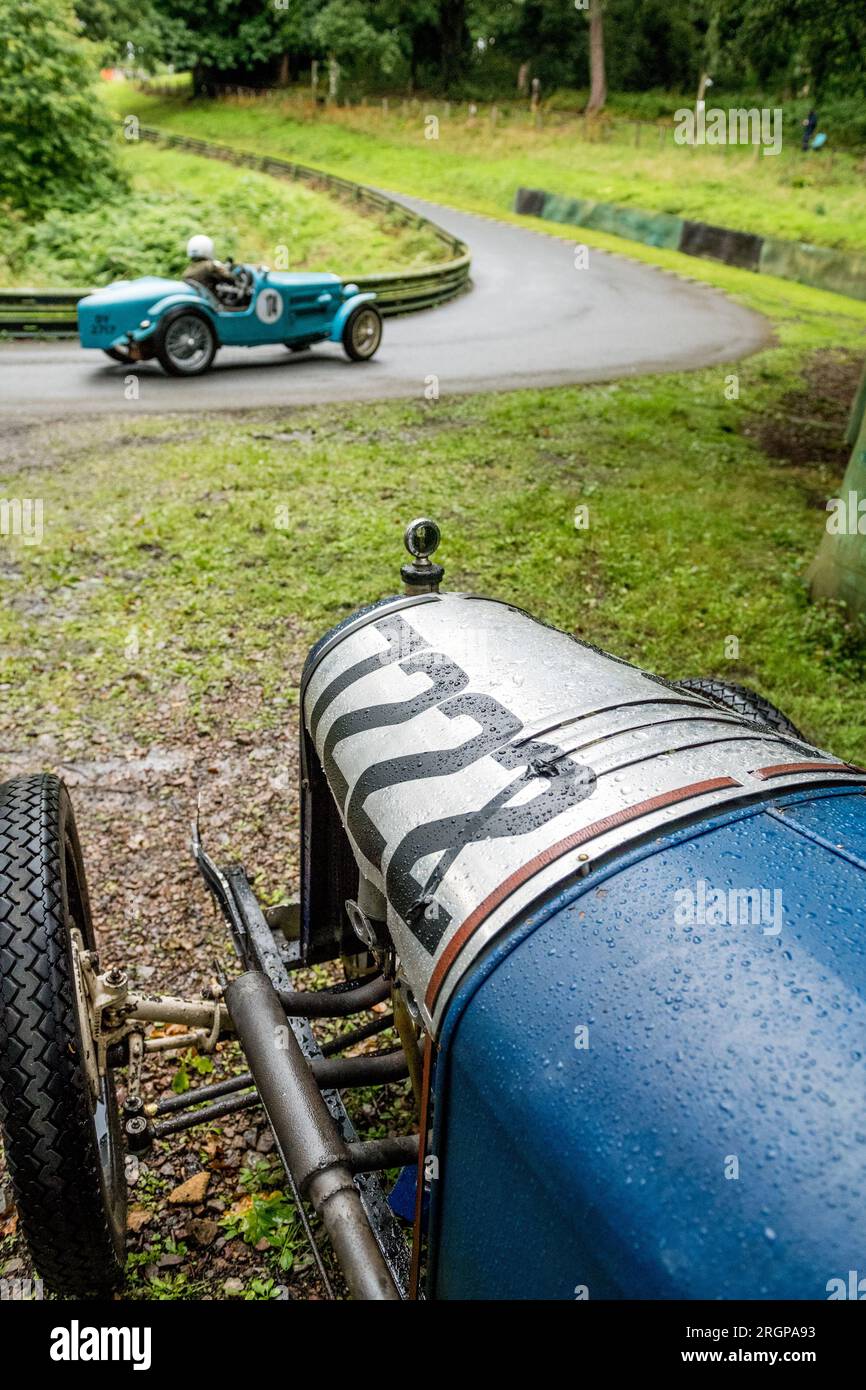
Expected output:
(186, 344)
(60, 1117)
(362, 333)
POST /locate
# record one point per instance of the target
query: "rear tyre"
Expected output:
(62, 1136)
(744, 701)
(362, 333)
(186, 343)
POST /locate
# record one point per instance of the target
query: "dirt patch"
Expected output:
(32, 444)
(134, 808)
(809, 425)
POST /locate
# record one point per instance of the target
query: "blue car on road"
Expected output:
(182, 323)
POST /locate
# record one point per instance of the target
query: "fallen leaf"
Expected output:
(239, 1208)
(191, 1191)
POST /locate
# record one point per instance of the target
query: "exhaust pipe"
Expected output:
(309, 1144)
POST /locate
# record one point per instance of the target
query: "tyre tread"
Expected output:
(44, 1108)
(743, 701)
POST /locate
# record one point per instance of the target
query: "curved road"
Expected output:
(532, 319)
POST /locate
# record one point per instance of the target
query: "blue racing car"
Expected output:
(182, 322)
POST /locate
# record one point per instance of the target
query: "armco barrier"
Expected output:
(819, 266)
(28, 313)
(741, 249)
(651, 228)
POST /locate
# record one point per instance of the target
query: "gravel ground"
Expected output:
(134, 809)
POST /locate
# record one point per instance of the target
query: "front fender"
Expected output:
(345, 310)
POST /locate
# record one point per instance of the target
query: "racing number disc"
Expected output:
(269, 306)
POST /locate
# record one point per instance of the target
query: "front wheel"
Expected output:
(744, 701)
(60, 1119)
(362, 333)
(116, 355)
(186, 343)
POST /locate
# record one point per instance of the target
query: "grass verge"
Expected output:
(181, 554)
(251, 216)
(475, 165)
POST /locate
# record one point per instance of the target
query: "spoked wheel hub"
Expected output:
(366, 332)
(188, 342)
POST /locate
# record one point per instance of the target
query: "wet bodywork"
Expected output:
(703, 1138)
(629, 1101)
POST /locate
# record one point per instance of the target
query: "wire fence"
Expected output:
(307, 102)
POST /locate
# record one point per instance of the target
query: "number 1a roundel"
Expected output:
(269, 306)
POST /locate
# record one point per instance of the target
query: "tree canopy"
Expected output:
(55, 140)
(479, 45)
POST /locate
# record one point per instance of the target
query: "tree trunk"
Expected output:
(838, 571)
(452, 27)
(333, 78)
(597, 78)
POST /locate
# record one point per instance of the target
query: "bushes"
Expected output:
(55, 137)
(249, 214)
(112, 242)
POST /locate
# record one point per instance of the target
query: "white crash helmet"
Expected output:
(200, 248)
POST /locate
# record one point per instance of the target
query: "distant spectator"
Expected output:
(810, 125)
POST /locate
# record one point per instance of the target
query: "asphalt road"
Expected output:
(532, 319)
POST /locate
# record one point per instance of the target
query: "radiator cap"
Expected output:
(421, 539)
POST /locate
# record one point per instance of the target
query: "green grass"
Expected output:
(471, 165)
(204, 553)
(250, 216)
(209, 551)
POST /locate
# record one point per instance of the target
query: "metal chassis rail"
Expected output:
(258, 950)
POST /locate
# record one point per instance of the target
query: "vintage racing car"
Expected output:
(617, 923)
(182, 323)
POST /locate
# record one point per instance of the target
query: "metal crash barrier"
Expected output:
(28, 313)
